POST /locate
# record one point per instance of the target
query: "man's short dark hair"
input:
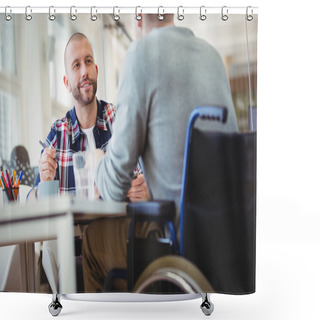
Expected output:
(78, 36)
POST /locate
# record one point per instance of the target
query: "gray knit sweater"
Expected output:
(166, 74)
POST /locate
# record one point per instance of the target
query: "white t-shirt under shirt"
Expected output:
(91, 142)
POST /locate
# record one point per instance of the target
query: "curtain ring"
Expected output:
(203, 13)
(224, 16)
(73, 16)
(249, 17)
(28, 16)
(8, 17)
(116, 17)
(138, 15)
(93, 17)
(160, 15)
(180, 16)
(51, 16)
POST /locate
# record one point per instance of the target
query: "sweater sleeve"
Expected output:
(114, 173)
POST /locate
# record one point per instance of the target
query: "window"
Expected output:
(7, 49)
(9, 102)
(9, 124)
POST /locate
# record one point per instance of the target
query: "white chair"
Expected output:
(50, 263)
(9, 269)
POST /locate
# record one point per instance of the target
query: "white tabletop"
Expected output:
(60, 205)
(54, 218)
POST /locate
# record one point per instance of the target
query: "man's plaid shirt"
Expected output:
(67, 138)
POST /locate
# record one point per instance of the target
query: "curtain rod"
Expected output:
(203, 10)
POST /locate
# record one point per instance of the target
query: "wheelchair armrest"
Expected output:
(160, 211)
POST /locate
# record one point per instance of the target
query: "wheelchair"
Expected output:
(215, 249)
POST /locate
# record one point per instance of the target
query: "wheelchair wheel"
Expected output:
(180, 272)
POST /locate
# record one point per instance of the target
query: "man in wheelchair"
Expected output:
(166, 74)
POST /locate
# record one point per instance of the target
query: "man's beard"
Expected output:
(78, 95)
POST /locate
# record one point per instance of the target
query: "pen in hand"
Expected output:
(44, 146)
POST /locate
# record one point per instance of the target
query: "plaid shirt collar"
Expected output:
(100, 123)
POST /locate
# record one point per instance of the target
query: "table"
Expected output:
(48, 219)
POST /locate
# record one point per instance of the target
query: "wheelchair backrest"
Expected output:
(219, 209)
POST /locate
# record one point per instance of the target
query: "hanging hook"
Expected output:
(180, 13)
(116, 16)
(28, 16)
(138, 15)
(160, 15)
(93, 17)
(8, 17)
(224, 16)
(51, 16)
(73, 16)
(249, 17)
(203, 13)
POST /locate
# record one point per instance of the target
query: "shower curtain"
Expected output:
(34, 94)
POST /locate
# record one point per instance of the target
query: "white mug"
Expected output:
(48, 188)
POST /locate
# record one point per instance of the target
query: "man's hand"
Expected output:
(138, 190)
(97, 155)
(96, 193)
(48, 165)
